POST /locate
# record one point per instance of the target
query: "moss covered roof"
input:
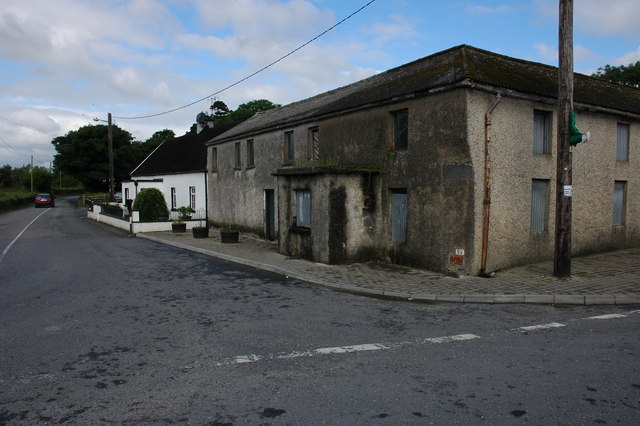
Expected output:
(442, 70)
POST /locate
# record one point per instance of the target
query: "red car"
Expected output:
(45, 200)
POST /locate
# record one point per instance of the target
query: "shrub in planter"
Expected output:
(150, 202)
(178, 226)
(200, 231)
(185, 212)
(228, 234)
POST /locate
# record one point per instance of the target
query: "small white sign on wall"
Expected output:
(568, 191)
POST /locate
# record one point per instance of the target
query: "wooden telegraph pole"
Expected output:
(110, 142)
(562, 253)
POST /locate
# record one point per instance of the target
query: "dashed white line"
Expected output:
(606, 317)
(540, 326)
(244, 359)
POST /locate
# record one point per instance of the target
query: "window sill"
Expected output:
(300, 230)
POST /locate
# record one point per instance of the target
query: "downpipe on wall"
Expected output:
(487, 188)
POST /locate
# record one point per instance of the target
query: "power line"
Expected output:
(13, 149)
(254, 73)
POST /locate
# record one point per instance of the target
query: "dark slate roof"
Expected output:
(461, 65)
(184, 154)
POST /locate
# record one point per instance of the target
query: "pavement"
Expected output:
(611, 278)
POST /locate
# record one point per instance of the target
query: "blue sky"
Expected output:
(64, 62)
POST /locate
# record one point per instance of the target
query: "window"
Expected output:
(303, 208)
(542, 132)
(289, 147)
(400, 129)
(539, 204)
(622, 145)
(250, 157)
(174, 203)
(238, 159)
(192, 197)
(214, 159)
(399, 215)
(313, 144)
(619, 202)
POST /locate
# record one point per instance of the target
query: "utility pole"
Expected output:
(32, 173)
(562, 253)
(110, 137)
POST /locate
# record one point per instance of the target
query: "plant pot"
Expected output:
(229, 236)
(200, 231)
(179, 227)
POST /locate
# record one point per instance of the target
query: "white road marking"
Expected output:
(6, 250)
(606, 317)
(540, 327)
(244, 359)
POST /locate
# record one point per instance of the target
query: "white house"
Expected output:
(178, 168)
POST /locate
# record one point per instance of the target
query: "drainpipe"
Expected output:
(487, 188)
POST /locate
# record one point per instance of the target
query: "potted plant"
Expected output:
(200, 231)
(185, 212)
(178, 226)
(228, 234)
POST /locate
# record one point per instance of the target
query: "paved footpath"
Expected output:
(608, 278)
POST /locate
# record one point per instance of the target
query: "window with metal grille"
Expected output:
(539, 204)
(619, 202)
(400, 129)
(542, 132)
(303, 208)
(313, 144)
(622, 144)
(399, 215)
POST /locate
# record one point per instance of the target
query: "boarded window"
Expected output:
(289, 147)
(400, 129)
(541, 132)
(619, 202)
(237, 157)
(399, 216)
(539, 203)
(214, 159)
(303, 208)
(250, 156)
(622, 145)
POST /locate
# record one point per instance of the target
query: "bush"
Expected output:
(150, 202)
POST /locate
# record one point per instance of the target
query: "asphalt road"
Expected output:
(100, 328)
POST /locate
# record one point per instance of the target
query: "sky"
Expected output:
(156, 64)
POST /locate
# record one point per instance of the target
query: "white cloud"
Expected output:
(609, 18)
(489, 10)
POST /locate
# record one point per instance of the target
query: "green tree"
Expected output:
(6, 176)
(627, 75)
(83, 154)
(42, 179)
(151, 204)
(222, 115)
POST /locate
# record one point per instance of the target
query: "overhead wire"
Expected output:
(252, 74)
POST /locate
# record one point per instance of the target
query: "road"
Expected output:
(97, 327)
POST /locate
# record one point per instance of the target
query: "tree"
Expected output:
(42, 179)
(627, 75)
(151, 204)
(83, 154)
(222, 115)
